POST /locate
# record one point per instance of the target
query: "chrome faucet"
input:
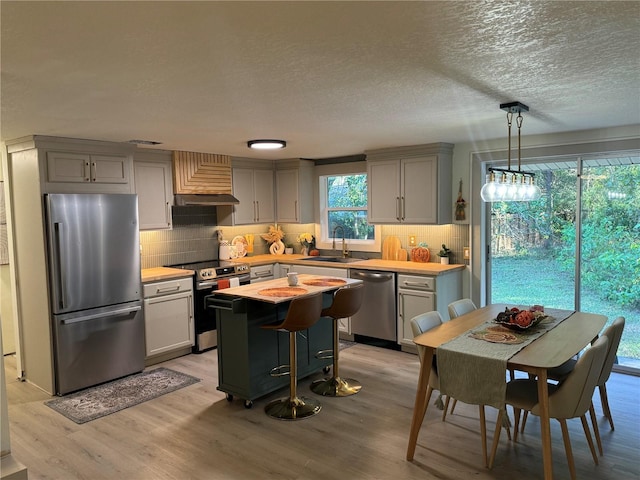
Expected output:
(345, 252)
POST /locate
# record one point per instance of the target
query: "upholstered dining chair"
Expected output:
(614, 334)
(569, 399)
(460, 307)
(457, 308)
(302, 314)
(423, 323)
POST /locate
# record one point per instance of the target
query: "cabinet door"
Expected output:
(411, 304)
(154, 188)
(109, 169)
(245, 212)
(420, 190)
(68, 167)
(168, 322)
(263, 190)
(384, 191)
(287, 196)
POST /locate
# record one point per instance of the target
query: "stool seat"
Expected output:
(302, 314)
(346, 302)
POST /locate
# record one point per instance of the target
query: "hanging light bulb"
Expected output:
(488, 192)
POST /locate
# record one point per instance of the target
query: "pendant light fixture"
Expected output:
(505, 184)
(265, 144)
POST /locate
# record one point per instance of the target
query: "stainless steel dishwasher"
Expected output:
(377, 316)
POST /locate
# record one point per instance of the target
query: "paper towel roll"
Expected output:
(234, 282)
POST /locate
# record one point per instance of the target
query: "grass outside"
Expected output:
(528, 280)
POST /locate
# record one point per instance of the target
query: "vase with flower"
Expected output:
(274, 236)
(307, 241)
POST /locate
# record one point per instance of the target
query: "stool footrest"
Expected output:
(280, 371)
(324, 354)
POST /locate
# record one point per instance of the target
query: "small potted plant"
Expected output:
(288, 248)
(444, 254)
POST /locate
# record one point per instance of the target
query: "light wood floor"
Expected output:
(194, 433)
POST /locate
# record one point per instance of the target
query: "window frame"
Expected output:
(322, 233)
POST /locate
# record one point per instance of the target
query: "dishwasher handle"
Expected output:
(372, 276)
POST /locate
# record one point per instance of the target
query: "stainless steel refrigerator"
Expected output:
(94, 288)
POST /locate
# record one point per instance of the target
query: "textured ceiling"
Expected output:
(330, 78)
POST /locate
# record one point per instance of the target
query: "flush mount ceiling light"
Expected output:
(266, 144)
(513, 185)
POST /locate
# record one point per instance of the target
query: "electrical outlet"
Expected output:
(465, 253)
(412, 240)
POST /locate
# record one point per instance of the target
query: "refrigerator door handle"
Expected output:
(62, 295)
(123, 311)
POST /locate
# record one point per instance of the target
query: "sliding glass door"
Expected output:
(578, 247)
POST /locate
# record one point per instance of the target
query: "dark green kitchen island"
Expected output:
(247, 353)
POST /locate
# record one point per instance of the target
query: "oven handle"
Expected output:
(206, 285)
(213, 284)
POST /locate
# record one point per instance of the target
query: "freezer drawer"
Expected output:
(98, 346)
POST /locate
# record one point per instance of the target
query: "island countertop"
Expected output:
(429, 268)
(252, 291)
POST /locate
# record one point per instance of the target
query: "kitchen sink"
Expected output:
(333, 259)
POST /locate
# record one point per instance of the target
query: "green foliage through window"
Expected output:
(347, 207)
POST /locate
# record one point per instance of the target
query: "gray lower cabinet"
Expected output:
(247, 353)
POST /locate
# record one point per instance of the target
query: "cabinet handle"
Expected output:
(257, 210)
(168, 289)
(93, 171)
(190, 309)
(87, 172)
(168, 213)
(403, 212)
(398, 208)
(296, 209)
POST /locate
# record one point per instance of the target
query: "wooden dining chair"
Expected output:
(569, 399)
(614, 334)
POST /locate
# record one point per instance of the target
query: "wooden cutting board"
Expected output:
(390, 248)
(402, 255)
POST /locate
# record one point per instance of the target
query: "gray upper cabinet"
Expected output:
(410, 185)
(254, 189)
(84, 166)
(154, 186)
(294, 191)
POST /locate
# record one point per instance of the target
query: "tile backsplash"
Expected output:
(194, 238)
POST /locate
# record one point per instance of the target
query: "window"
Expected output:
(343, 209)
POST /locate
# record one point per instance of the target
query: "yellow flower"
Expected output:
(306, 239)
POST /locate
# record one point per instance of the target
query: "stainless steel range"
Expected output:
(211, 275)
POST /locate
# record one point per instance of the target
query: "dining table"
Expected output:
(557, 345)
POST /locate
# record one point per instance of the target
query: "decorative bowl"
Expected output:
(506, 319)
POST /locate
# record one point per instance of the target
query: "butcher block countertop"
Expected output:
(429, 268)
(164, 273)
(259, 291)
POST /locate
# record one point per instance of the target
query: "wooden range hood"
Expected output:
(202, 179)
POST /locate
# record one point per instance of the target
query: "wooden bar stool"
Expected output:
(346, 302)
(302, 314)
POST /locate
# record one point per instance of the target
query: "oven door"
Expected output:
(205, 319)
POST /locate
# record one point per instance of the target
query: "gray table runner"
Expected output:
(473, 370)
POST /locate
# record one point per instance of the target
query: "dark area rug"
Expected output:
(108, 398)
